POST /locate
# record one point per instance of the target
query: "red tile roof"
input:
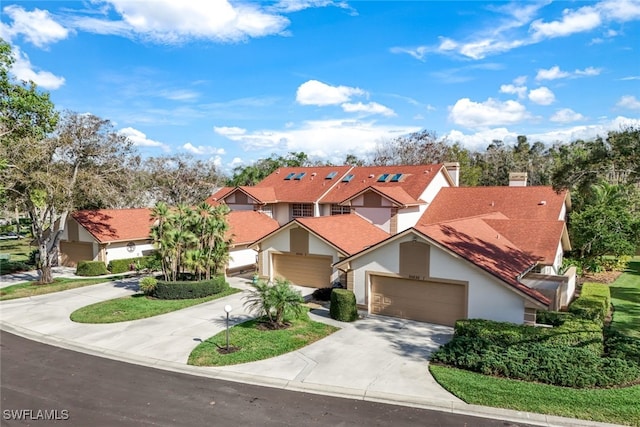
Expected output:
(112, 225)
(395, 194)
(350, 233)
(248, 226)
(532, 203)
(413, 181)
(538, 238)
(309, 188)
(474, 240)
(214, 199)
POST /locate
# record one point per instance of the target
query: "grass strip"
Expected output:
(30, 289)
(136, 307)
(625, 298)
(258, 344)
(615, 405)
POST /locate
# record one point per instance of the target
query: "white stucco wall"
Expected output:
(83, 235)
(378, 216)
(119, 250)
(434, 187)
(279, 242)
(281, 213)
(242, 258)
(408, 217)
(488, 299)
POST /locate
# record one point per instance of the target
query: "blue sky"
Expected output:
(234, 81)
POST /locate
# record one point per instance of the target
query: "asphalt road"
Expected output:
(39, 381)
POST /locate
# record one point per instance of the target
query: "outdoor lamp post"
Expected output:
(227, 309)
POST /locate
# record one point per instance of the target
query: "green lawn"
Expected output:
(625, 298)
(30, 289)
(256, 344)
(19, 251)
(137, 307)
(616, 405)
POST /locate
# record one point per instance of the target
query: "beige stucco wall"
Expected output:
(119, 250)
(488, 299)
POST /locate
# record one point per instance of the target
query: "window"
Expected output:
(340, 210)
(396, 178)
(347, 178)
(301, 209)
(383, 177)
(288, 177)
(331, 175)
(299, 176)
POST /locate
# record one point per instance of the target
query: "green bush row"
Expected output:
(123, 265)
(553, 318)
(190, 289)
(596, 290)
(620, 346)
(91, 268)
(558, 365)
(343, 305)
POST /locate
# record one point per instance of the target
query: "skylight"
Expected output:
(383, 177)
(300, 175)
(288, 177)
(396, 177)
(331, 175)
(347, 178)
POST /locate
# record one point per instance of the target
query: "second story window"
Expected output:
(340, 210)
(301, 209)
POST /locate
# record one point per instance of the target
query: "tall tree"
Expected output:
(81, 165)
(179, 179)
(414, 149)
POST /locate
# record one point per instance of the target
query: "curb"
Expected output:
(298, 386)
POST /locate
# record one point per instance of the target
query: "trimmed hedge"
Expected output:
(190, 289)
(569, 355)
(91, 268)
(343, 305)
(553, 318)
(596, 290)
(122, 265)
(322, 294)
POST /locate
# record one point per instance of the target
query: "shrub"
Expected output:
(91, 268)
(274, 301)
(553, 318)
(123, 265)
(189, 290)
(592, 308)
(343, 305)
(322, 294)
(148, 285)
(620, 346)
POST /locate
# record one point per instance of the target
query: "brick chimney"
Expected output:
(517, 179)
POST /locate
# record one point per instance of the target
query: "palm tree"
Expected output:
(274, 301)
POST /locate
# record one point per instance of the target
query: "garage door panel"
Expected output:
(433, 302)
(74, 252)
(312, 271)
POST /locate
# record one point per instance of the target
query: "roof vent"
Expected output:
(542, 202)
(314, 174)
(371, 176)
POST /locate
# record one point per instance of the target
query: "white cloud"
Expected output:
(566, 115)
(542, 96)
(368, 108)
(201, 149)
(229, 130)
(288, 6)
(327, 139)
(170, 21)
(482, 138)
(490, 113)
(139, 139)
(37, 26)
(573, 21)
(555, 73)
(23, 70)
(620, 10)
(552, 73)
(521, 91)
(179, 95)
(313, 92)
(418, 53)
(629, 101)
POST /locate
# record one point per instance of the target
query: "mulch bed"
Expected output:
(607, 277)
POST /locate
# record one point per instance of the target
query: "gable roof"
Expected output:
(397, 195)
(347, 233)
(413, 180)
(532, 203)
(248, 226)
(113, 225)
(309, 188)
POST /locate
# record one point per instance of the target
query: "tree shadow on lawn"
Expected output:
(128, 283)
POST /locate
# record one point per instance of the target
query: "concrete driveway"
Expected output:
(372, 355)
